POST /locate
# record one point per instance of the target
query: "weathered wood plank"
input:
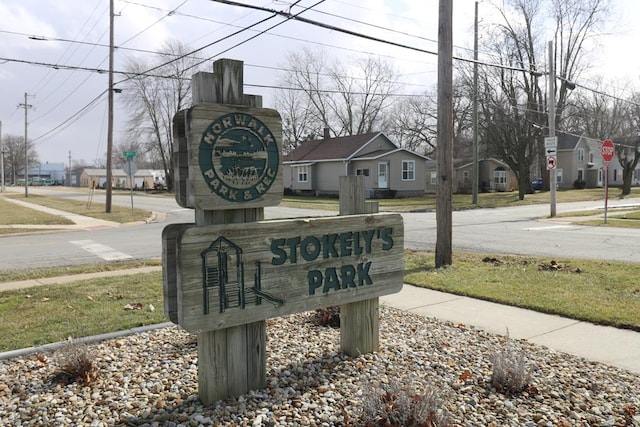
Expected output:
(219, 373)
(233, 157)
(359, 331)
(238, 273)
(170, 270)
(359, 327)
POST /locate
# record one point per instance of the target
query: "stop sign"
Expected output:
(607, 150)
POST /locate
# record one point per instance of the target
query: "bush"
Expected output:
(579, 184)
(75, 365)
(399, 406)
(510, 372)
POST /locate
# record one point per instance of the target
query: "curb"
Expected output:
(85, 340)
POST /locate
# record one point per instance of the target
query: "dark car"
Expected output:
(536, 184)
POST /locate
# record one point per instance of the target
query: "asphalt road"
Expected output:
(516, 230)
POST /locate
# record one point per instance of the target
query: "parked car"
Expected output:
(536, 184)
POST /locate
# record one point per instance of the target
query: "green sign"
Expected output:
(238, 157)
(129, 153)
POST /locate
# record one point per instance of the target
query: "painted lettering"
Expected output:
(387, 237)
(247, 195)
(328, 246)
(334, 279)
(363, 274)
(345, 244)
(209, 173)
(293, 243)
(310, 248)
(368, 238)
(280, 254)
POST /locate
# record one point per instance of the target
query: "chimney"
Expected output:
(326, 133)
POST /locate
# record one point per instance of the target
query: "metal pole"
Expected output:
(26, 150)
(1, 160)
(476, 174)
(552, 126)
(606, 192)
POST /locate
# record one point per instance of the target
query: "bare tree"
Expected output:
(154, 98)
(517, 90)
(412, 122)
(13, 146)
(345, 99)
(604, 113)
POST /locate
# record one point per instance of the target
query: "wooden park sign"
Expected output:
(240, 273)
(224, 275)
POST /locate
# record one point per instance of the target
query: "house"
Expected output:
(493, 175)
(579, 160)
(314, 167)
(142, 179)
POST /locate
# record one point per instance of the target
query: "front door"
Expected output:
(383, 175)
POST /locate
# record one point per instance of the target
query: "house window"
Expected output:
(500, 176)
(615, 174)
(559, 176)
(364, 172)
(408, 170)
(580, 174)
(433, 178)
(303, 173)
(590, 157)
(581, 154)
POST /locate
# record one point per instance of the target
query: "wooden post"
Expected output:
(444, 189)
(231, 361)
(359, 331)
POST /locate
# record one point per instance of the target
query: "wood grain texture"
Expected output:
(170, 269)
(337, 260)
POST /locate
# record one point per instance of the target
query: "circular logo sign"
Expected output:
(238, 157)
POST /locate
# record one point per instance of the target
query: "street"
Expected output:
(516, 230)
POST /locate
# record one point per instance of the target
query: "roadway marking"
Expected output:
(102, 251)
(549, 227)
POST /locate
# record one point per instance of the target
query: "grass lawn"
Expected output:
(606, 293)
(464, 201)
(119, 214)
(13, 214)
(46, 314)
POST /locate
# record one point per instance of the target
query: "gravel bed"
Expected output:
(150, 379)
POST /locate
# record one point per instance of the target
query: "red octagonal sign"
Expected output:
(607, 150)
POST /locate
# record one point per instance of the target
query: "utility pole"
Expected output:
(1, 160)
(552, 127)
(69, 182)
(444, 189)
(26, 107)
(476, 174)
(107, 207)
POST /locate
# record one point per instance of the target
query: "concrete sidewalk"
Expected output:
(615, 347)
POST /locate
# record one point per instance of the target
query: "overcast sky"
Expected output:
(76, 33)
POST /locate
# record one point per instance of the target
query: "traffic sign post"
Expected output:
(130, 169)
(608, 151)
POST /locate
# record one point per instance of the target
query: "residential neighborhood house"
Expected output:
(493, 175)
(389, 171)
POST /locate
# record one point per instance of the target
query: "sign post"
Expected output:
(608, 151)
(551, 147)
(130, 169)
(230, 271)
